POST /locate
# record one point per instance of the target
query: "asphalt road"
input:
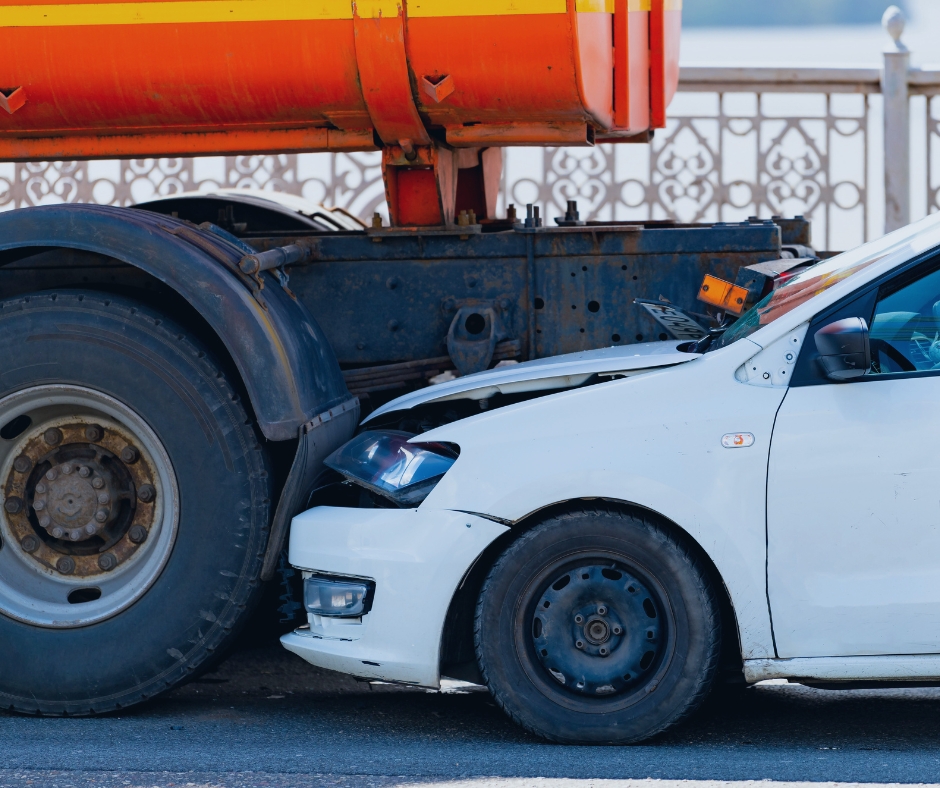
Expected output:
(265, 718)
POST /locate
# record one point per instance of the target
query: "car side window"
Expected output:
(905, 329)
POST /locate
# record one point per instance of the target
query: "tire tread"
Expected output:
(683, 546)
(247, 591)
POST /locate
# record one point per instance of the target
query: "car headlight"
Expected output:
(386, 463)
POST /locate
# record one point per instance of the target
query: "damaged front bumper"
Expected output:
(416, 559)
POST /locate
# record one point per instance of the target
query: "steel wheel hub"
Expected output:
(90, 506)
(76, 499)
(596, 630)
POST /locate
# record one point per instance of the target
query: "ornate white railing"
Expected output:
(740, 141)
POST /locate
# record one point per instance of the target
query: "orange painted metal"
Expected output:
(621, 69)
(631, 69)
(185, 144)
(657, 65)
(160, 77)
(173, 88)
(478, 177)
(420, 187)
(508, 134)
(384, 77)
(438, 89)
(507, 69)
(422, 78)
(12, 99)
(672, 33)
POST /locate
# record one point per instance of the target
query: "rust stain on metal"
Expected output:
(73, 504)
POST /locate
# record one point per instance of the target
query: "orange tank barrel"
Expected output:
(440, 87)
(89, 79)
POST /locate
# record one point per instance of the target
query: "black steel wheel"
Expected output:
(599, 627)
(136, 504)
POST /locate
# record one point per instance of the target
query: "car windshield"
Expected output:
(820, 277)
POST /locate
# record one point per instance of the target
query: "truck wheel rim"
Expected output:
(90, 506)
(597, 630)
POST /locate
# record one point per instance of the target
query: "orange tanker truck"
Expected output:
(173, 374)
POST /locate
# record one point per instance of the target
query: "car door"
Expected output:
(853, 506)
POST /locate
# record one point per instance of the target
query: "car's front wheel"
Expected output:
(598, 626)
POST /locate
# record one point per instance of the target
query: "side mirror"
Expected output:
(844, 352)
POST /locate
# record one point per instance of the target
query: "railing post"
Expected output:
(897, 158)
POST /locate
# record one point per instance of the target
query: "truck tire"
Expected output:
(598, 627)
(136, 504)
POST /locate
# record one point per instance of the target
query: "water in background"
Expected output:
(842, 45)
(744, 13)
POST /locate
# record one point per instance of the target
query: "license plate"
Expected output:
(678, 324)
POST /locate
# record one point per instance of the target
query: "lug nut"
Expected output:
(604, 651)
(579, 619)
(97, 483)
(104, 498)
(130, 455)
(146, 493)
(38, 505)
(90, 529)
(58, 532)
(45, 521)
(40, 488)
(52, 474)
(617, 630)
(13, 505)
(94, 433)
(65, 565)
(106, 562)
(52, 436)
(601, 610)
(22, 464)
(66, 468)
(579, 644)
(137, 534)
(75, 535)
(30, 544)
(101, 515)
(84, 471)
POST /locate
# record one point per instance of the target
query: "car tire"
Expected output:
(136, 509)
(598, 626)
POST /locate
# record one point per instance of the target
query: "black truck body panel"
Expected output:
(391, 299)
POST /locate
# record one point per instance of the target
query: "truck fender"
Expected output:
(288, 368)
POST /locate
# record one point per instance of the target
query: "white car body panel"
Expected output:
(874, 567)
(655, 440)
(571, 369)
(896, 667)
(645, 441)
(417, 558)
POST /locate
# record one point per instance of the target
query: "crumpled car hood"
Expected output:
(554, 372)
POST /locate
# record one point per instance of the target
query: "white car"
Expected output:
(592, 535)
